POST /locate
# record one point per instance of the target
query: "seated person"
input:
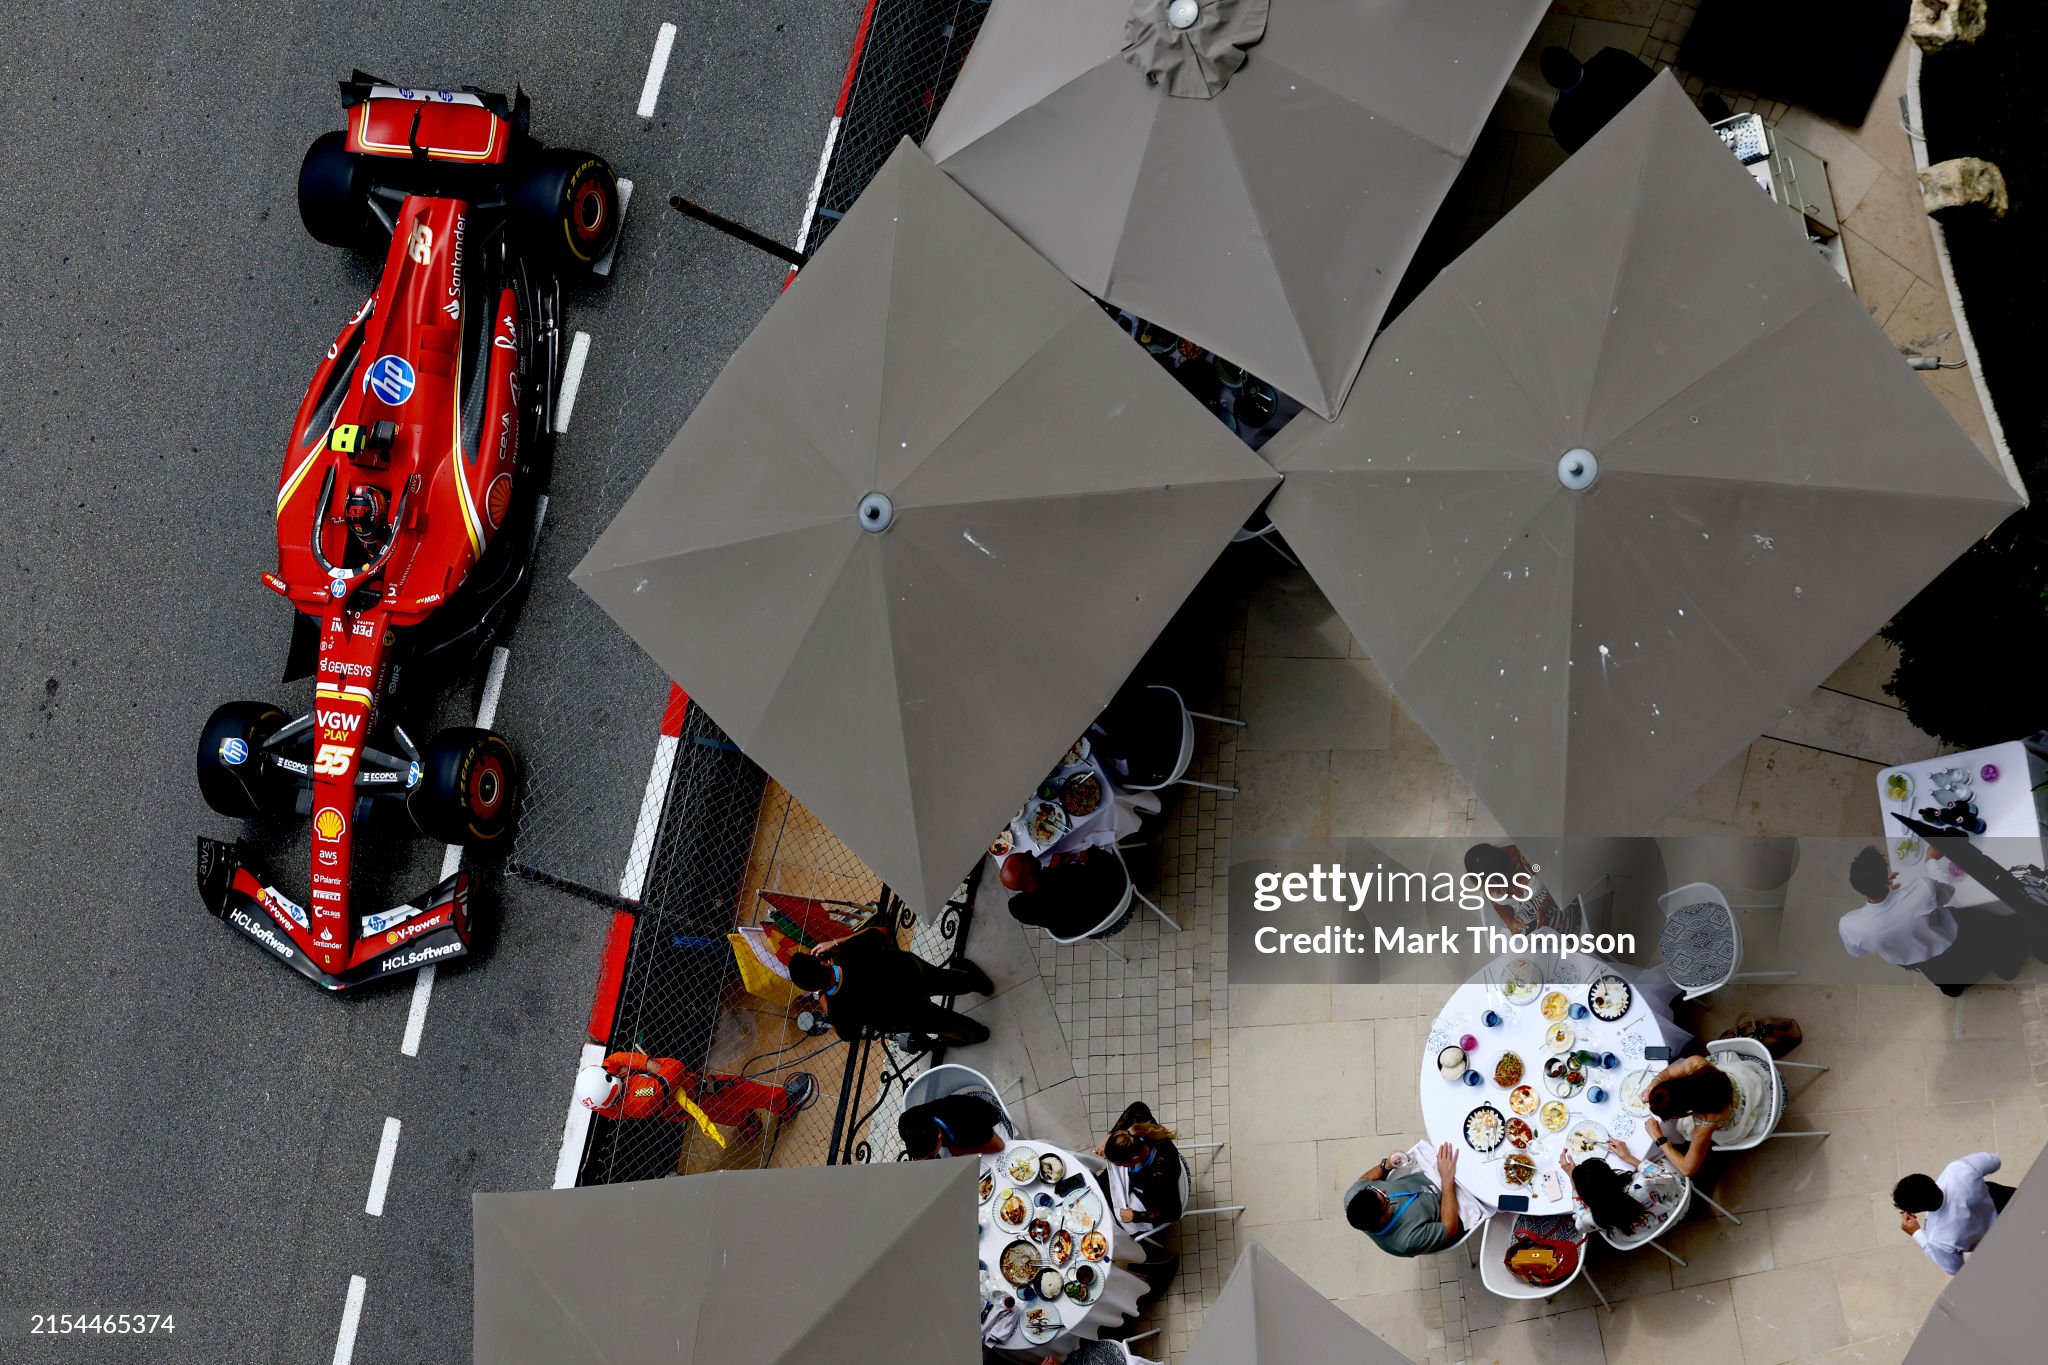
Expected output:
(1069, 893)
(951, 1125)
(1406, 1214)
(1150, 1163)
(1618, 1204)
(1700, 1100)
(1539, 911)
(1138, 737)
(1591, 92)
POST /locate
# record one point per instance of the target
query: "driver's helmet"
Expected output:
(595, 1088)
(364, 512)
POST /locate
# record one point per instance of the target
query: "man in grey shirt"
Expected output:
(1406, 1214)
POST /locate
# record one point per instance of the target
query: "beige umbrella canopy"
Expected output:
(1256, 180)
(1992, 1312)
(1268, 1315)
(921, 528)
(857, 1265)
(1626, 482)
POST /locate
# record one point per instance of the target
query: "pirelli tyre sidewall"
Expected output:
(468, 791)
(334, 201)
(232, 775)
(566, 204)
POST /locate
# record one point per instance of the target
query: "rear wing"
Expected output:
(462, 124)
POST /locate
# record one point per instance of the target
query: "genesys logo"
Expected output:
(418, 957)
(345, 667)
(260, 931)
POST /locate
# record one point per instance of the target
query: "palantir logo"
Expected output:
(391, 378)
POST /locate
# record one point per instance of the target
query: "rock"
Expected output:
(1937, 24)
(1963, 181)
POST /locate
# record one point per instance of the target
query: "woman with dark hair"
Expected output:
(1705, 1099)
(951, 1125)
(1149, 1163)
(1617, 1204)
(1500, 865)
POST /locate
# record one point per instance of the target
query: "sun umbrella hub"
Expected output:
(876, 513)
(1577, 468)
(1191, 48)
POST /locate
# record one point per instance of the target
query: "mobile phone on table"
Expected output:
(1656, 1052)
(1514, 1203)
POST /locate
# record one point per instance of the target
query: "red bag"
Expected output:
(1542, 1261)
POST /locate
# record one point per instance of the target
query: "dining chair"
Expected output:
(1655, 1228)
(1498, 1279)
(951, 1078)
(1186, 757)
(1750, 1047)
(1701, 968)
(1187, 1191)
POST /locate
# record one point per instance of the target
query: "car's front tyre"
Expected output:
(468, 791)
(233, 777)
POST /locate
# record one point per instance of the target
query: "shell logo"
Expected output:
(497, 499)
(329, 824)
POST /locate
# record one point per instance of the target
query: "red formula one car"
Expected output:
(407, 509)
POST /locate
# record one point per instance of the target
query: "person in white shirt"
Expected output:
(1947, 1215)
(1907, 921)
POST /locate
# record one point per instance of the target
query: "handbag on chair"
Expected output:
(1779, 1036)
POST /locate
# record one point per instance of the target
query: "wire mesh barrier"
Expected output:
(907, 67)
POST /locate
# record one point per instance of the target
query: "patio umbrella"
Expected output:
(1256, 180)
(921, 528)
(848, 1264)
(1626, 481)
(1992, 1312)
(1268, 1315)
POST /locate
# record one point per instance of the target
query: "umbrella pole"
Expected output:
(759, 241)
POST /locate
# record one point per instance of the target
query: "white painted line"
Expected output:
(572, 380)
(641, 855)
(657, 67)
(577, 1126)
(351, 1314)
(380, 1174)
(803, 231)
(494, 683)
(603, 265)
(423, 984)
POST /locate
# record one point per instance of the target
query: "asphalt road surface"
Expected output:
(187, 1128)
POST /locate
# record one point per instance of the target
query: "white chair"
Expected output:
(951, 1078)
(1187, 1191)
(1187, 748)
(1493, 1267)
(1472, 1253)
(1704, 893)
(1110, 921)
(1648, 1234)
(1750, 1047)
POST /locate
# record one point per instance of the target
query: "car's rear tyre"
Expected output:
(468, 791)
(232, 775)
(334, 199)
(566, 206)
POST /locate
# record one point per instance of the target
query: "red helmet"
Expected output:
(365, 512)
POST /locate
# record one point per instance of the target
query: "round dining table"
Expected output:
(1080, 1208)
(1117, 814)
(1524, 993)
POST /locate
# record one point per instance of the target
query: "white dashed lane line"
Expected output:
(380, 1174)
(657, 67)
(351, 1314)
(572, 380)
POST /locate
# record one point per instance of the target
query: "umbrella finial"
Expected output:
(1183, 13)
(1577, 468)
(876, 513)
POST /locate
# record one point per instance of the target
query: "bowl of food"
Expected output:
(1507, 1072)
(1609, 998)
(1520, 1134)
(1003, 844)
(1519, 1169)
(1011, 1210)
(1560, 1037)
(988, 1185)
(1045, 823)
(1521, 981)
(1062, 1248)
(1555, 1004)
(1051, 1169)
(1078, 754)
(1554, 1116)
(1523, 1099)
(1907, 852)
(1022, 1165)
(1899, 787)
(1084, 1284)
(1019, 1263)
(1049, 1284)
(1080, 795)
(1587, 1139)
(1094, 1246)
(1451, 1062)
(1485, 1128)
(1039, 1230)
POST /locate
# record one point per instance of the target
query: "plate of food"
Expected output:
(1635, 1090)
(1554, 1116)
(1523, 1099)
(1555, 1005)
(1078, 754)
(1899, 786)
(1521, 981)
(1485, 1127)
(1609, 998)
(1052, 1168)
(1562, 1078)
(1560, 1037)
(1094, 1246)
(1507, 1072)
(1520, 1134)
(1084, 1283)
(1011, 1210)
(1041, 1324)
(1084, 1212)
(1039, 1230)
(1022, 1164)
(1062, 1247)
(988, 1183)
(1019, 1262)
(1519, 1169)
(1044, 823)
(1080, 795)
(1907, 852)
(1587, 1139)
(1004, 844)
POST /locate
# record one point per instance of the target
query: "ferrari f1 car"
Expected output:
(407, 509)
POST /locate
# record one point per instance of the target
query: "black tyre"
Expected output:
(468, 791)
(334, 200)
(232, 775)
(566, 206)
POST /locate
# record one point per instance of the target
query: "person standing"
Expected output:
(865, 982)
(633, 1085)
(1407, 1214)
(1592, 92)
(1909, 922)
(1947, 1215)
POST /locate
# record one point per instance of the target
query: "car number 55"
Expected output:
(333, 760)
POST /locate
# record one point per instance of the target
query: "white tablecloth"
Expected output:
(1445, 1103)
(1119, 1299)
(1114, 819)
(2009, 807)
